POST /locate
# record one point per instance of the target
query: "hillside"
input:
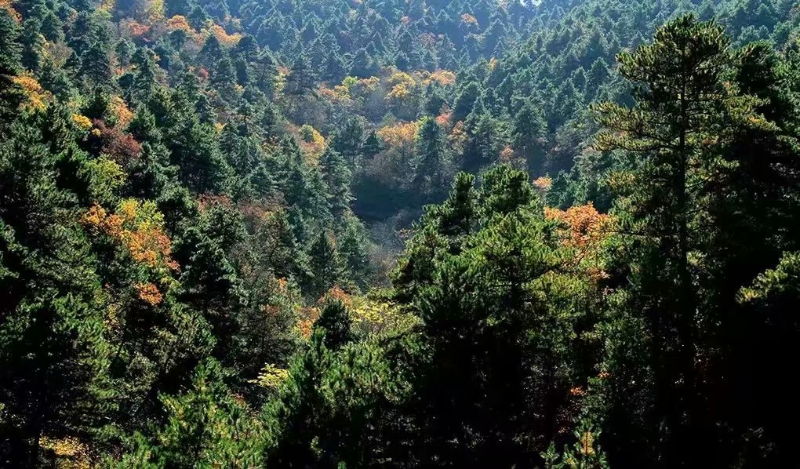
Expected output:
(417, 233)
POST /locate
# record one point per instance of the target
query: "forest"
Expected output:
(555, 234)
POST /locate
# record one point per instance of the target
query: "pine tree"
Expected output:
(348, 141)
(484, 331)
(440, 226)
(363, 65)
(337, 178)
(528, 136)
(325, 264)
(597, 75)
(224, 79)
(334, 321)
(335, 68)
(492, 37)
(301, 79)
(465, 101)
(205, 425)
(146, 74)
(211, 53)
(353, 250)
(96, 65)
(209, 282)
(676, 129)
(52, 27)
(32, 45)
(53, 349)
(431, 161)
(10, 65)
(486, 138)
(372, 146)
(303, 189)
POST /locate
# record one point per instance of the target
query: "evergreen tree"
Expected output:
(96, 65)
(465, 101)
(210, 283)
(224, 79)
(597, 75)
(682, 102)
(10, 64)
(372, 145)
(325, 265)
(301, 77)
(431, 161)
(335, 322)
(528, 136)
(211, 53)
(32, 45)
(348, 141)
(205, 425)
(53, 350)
(337, 179)
(173, 258)
(353, 251)
(485, 140)
(363, 66)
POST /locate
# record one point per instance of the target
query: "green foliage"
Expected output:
(53, 349)
(686, 133)
(325, 265)
(336, 406)
(501, 308)
(11, 58)
(335, 323)
(431, 161)
(337, 177)
(206, 427)
(199, 211)
(10, 64)
(584, 453)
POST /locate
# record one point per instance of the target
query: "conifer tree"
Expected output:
(96, 65)
(465, 101)
(337, 178)
(431, 161)
(325, 264)
(335, 321)
(10, 64)
(683, 117)
(363, 66)
(53, 351)
(348, 141)
(32, 45)
(528, 136)
(301, 77)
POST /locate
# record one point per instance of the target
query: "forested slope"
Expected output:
(214, 252)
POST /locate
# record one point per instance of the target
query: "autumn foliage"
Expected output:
(583, 225)
(121, 112)
(139, 228)
(468, 19)
(312, 142)
(543, 184)
(583, 230)
(179, 23)
(82, 121)
(149, 293)
(36, 96)
(8, 6)
(134, 29)
(119, 145)
(223, 37)
(441, 77)
(399, 136)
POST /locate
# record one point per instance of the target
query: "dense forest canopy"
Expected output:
(399, 233)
